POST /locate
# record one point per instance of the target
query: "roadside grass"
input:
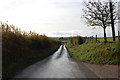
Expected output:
(104, 53)
(21, 49)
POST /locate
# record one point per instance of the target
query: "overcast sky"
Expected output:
(50, 17)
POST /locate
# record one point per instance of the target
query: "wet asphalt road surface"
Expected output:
(58, 65)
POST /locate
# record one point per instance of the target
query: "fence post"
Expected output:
(96, 37)
(118, 36)
(92, 38)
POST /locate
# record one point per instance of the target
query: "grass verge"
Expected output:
(104, 53)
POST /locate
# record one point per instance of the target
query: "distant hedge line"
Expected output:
(77, 40)
(20, 49)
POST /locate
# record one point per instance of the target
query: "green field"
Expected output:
(108, 39)
(94, 52)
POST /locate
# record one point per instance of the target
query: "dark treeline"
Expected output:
(20, 49)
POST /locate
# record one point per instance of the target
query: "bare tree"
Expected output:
(113, 16)
(97, 14)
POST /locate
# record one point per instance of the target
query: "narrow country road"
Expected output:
(58, 65)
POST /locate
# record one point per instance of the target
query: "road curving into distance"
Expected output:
(58, 65)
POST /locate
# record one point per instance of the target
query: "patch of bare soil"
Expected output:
(103, 70)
